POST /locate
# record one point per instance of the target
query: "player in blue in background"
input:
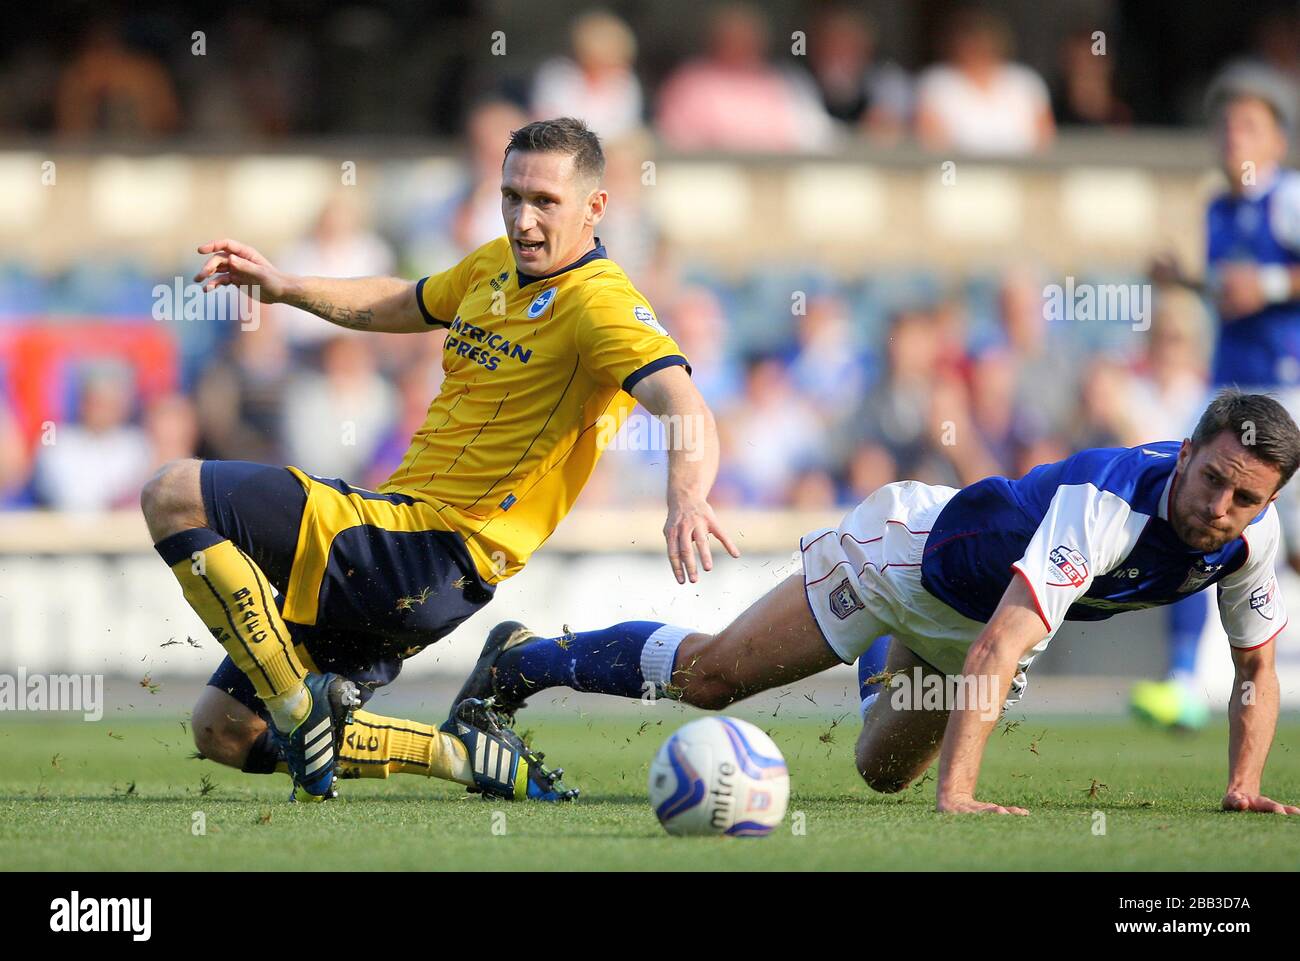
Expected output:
(1253, 283)
(971, 585)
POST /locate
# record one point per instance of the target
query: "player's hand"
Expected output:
(687, 530)
(232, 263)
(1239, 291)
(966, 804)
(1239, 801)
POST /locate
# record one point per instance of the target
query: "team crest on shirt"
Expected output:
(540, 303)
(845, 600)
(646, 317)
(1262, 599)
(1070, 565)
(1197, 577)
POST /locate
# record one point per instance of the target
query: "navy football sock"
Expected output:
(1186, 621)
(263, 756)
(628, 659)
(871, 663)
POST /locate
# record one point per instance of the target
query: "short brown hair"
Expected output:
(567, 135)
(1273, 435)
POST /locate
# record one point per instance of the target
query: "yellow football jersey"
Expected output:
(537, 369)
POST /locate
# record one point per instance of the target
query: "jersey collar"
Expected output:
(596, 253)
(1168, 494)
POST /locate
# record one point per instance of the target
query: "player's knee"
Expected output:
(880, 777)
(219, 739)
(171, 500)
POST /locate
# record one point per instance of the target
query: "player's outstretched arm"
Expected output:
(381, 304)
(692, 469)
(1013, 629)
(1252, 720)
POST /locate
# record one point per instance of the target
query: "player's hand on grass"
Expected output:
(687, 530)
(232, 263)
(1258, 803)
(966, 804)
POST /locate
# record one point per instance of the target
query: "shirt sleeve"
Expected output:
(439, 295)
(1284, 212)
(1250, 601)
(621, 342)
(1085, 532)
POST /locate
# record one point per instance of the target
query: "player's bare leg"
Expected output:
(897, 745)
(228, 732)
(775, 641)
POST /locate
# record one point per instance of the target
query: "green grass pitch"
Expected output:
(78, 796)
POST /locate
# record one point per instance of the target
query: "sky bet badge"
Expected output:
(540, 303)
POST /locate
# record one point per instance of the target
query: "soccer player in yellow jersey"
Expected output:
(547, 345)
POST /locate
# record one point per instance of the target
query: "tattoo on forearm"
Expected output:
(343, 316)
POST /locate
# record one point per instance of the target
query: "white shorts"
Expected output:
(863, 580)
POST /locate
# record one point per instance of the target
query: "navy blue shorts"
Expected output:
(365, 580)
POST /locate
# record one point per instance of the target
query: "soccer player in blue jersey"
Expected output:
(974, 583)
(1253, 281)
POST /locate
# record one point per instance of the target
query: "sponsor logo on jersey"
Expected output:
(499, 281)
(483, 346)
(845, 600)
(646, 317)
(1070, 565)
(1197, 577)
(1262, 599)
(540, 303)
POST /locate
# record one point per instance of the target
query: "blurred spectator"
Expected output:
(696, 321)
(871, 467)
(173, 429)
(855, 88)
(111, 89)
(1106, 417)
(417, 386)
(597, 84)
(1046, 376)
(734, 99)
(487, 132)
(827, 365)
(773, 435)
(1168, 389)
(630, 230)
(101, 460)
(1085, 94)
(335, 421)
(338, 246)
(240, 397)
(811, 490)
(259, 84)
(1276, 42)
(895, 414)
(976, 101)
(15, 465)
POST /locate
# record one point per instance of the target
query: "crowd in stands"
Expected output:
(730, 79)
(944, 379)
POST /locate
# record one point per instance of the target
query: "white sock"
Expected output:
(866, 704)
(659, 653)
(288, 710)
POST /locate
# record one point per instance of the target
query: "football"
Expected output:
(719, 775)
